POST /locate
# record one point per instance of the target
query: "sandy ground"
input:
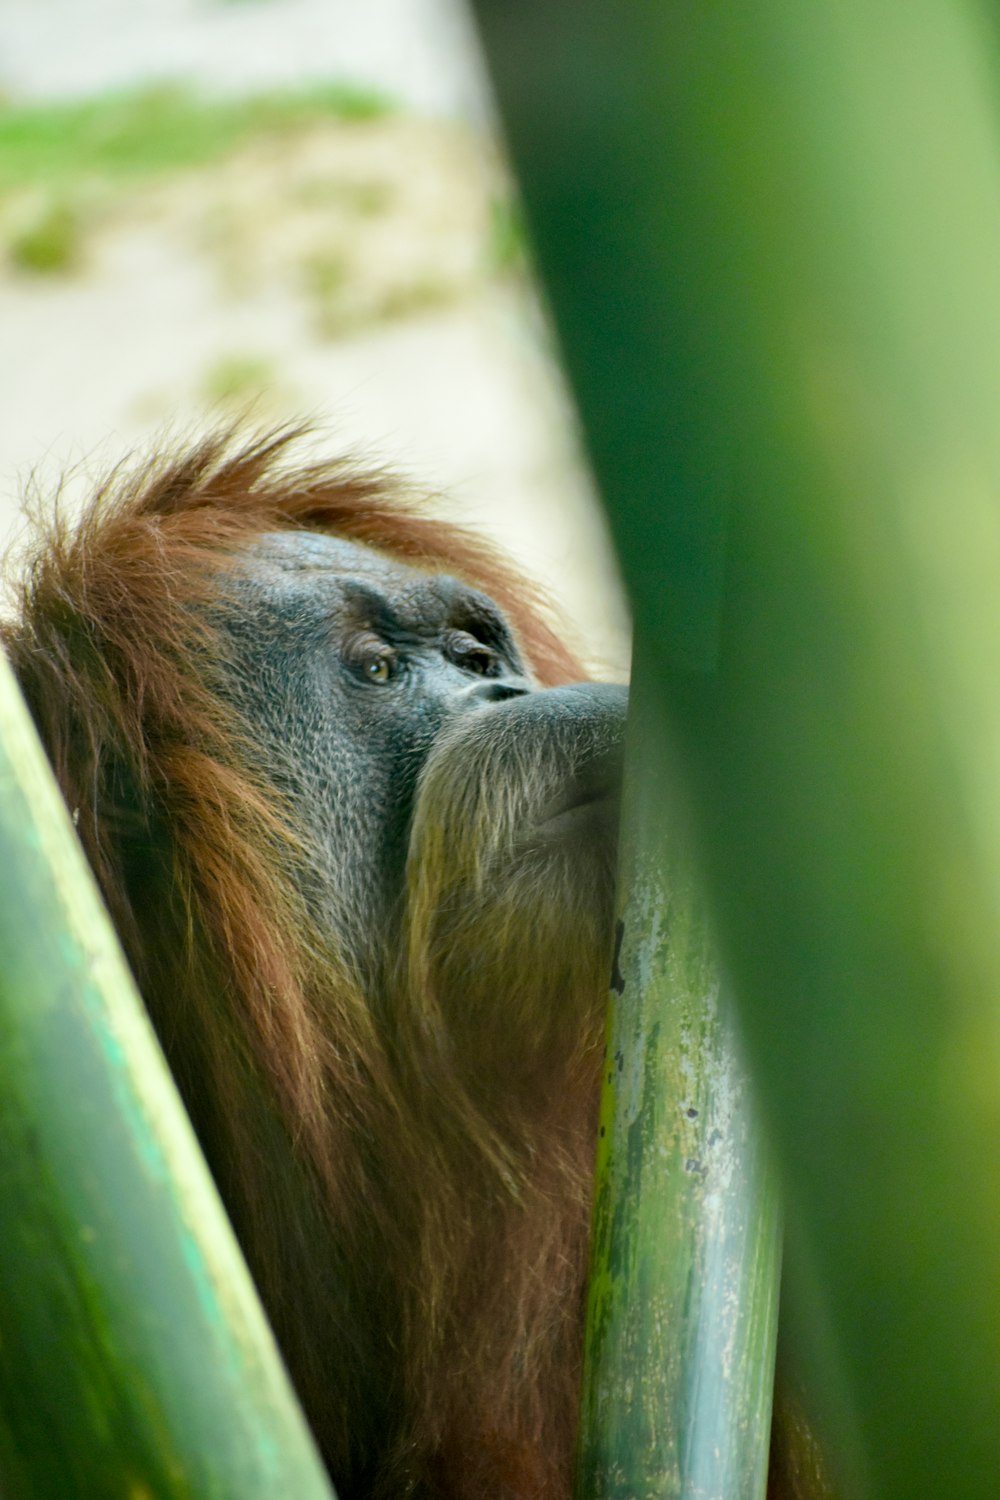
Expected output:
(348, 274)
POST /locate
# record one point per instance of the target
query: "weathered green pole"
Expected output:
(685, 1262)
(135, 1361)
(771, 236)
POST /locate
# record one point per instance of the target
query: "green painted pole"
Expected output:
(685, 1261)
(135, 1361)
(771, 237)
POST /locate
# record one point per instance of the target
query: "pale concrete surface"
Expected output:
(421, 52)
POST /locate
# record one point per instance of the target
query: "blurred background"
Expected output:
(292, 208)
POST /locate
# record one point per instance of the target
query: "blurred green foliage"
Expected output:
(235, 379)
(158, 130)
(507, 248)
(50, 241)
(63, 166)
(770, 233)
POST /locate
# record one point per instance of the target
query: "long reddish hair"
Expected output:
(344, 1197)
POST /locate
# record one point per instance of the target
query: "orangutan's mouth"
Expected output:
(588, 809)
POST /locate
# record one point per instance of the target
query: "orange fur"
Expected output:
(409, 1172)
(360, 1166)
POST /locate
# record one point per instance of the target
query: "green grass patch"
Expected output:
(238, 378)
(158, 130)
(507, 238)
(49, 244)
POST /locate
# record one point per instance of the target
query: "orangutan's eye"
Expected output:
(378, 668)
(371, 658)
(473, 655)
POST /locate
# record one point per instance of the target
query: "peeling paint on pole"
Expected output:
(685, 1262)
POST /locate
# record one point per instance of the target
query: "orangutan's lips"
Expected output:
(590, 808)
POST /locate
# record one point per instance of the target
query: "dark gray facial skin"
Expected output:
(349, 668)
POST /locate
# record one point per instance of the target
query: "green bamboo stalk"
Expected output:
(771, 234)
(684, 1276)
(134, 1356)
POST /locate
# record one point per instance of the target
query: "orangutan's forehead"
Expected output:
(293, 567)
(304, 564)
(313, 552)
